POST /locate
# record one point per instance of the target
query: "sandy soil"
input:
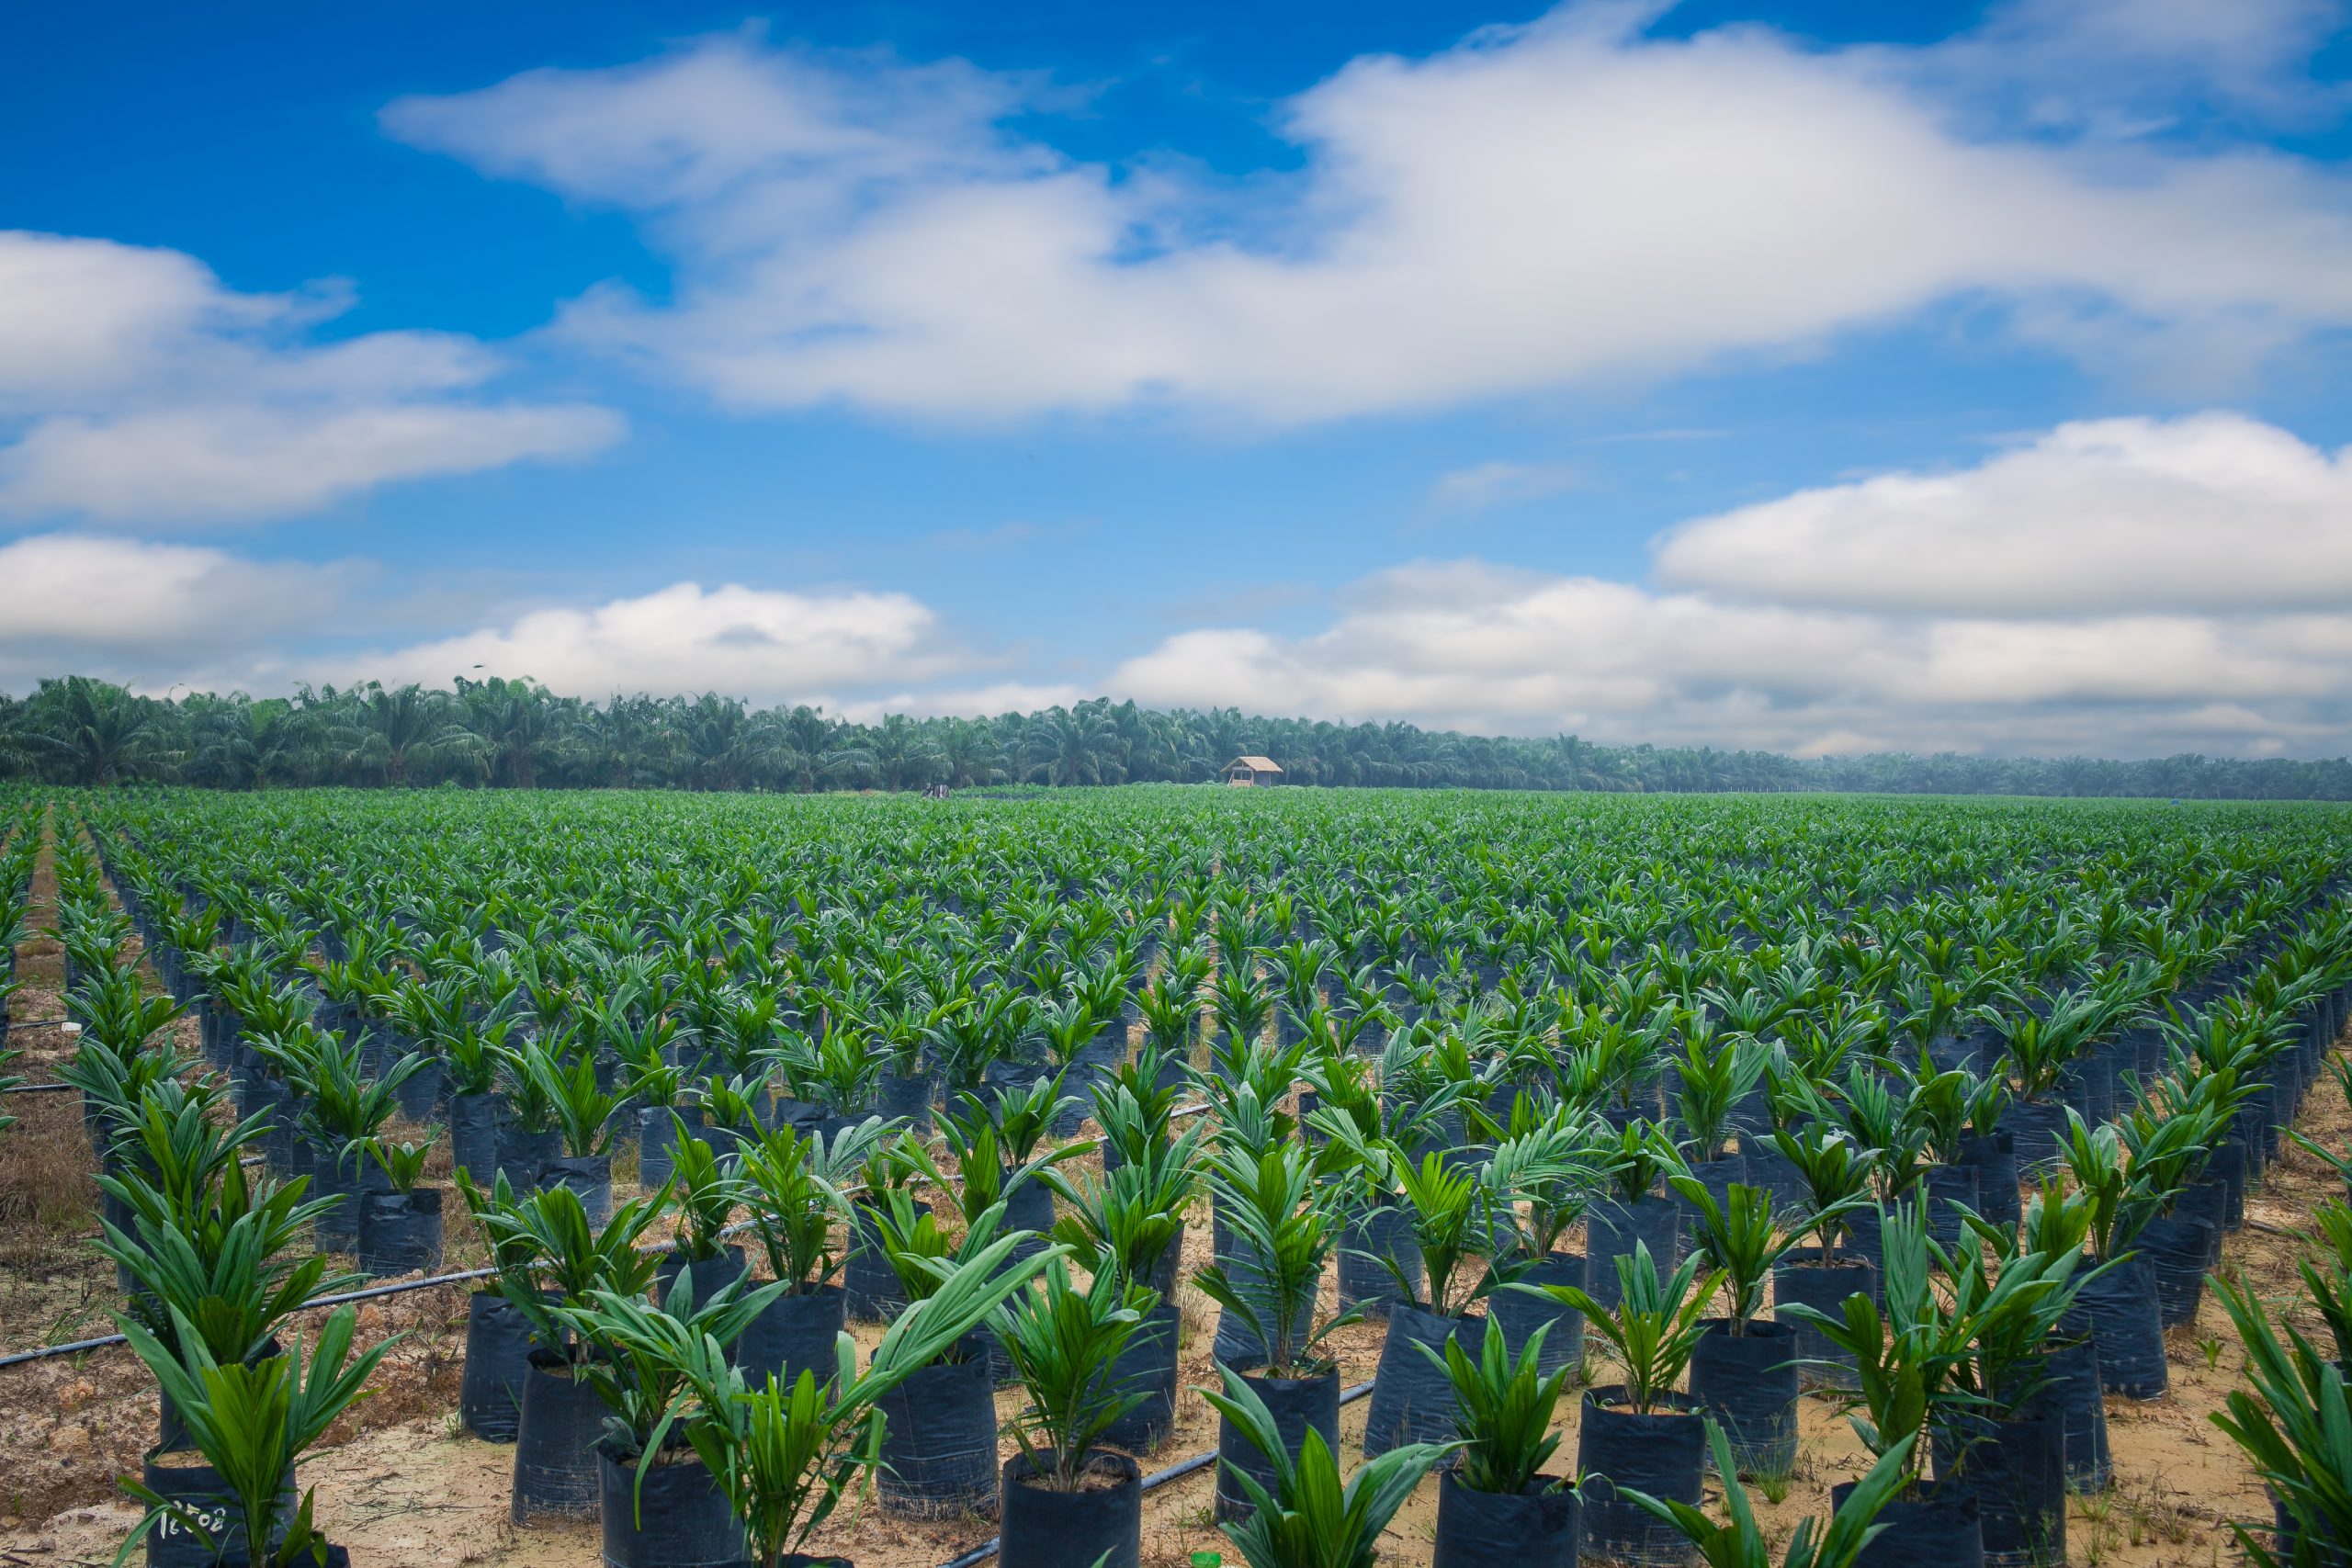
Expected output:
(398, 1486)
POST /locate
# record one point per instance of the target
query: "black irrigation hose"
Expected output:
(38, 1088)
(1158, 1478)
(37, 1022)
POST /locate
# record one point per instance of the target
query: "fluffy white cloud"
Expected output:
(766, 645)
(152, 614)
(2213, 513)
(2115, 586)
(1465, 645)
(1539, 205)
(135, 387)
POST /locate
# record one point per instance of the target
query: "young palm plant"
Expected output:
(2296, 1426)
(1652, 1330)
(1302, 1516)
(792, 1189)
(1743, 1371)
(1067, 1493)
(937, 1457)
(1497, 1505)
(250, 1421)
(784, 1456)
(1738, 1541)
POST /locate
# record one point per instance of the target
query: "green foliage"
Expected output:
(1127, 1219)
(792, 1190)
(1837, 1175)
(544, 1246)
(251, 1421)
(402, 1163)
(1503, 1406)
(1655, 1326)
(1308, 1519)
(2128, 1173)
(2296, 1426)
(1740, 1238)
(566, 1081)
(650, 1359)
(705, 1189)
(786, 1454)
(1273, 1206)
(1712, 1076)
(1064, 1344)
(1738, 1541)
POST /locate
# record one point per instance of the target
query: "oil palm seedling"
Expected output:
(1635, 1208)
(400, 1227)
(1642, 1424)
(784, 1456)
(705, 1189)
(2295, 1424)
(1284, 1230)
(1068, 1496)
(1498, 1503)
(1453, 1214)
(799, 1213)
(559, 1257)
(934, 1456)
(650, 1364)
(1835, 1188)
(249, 1422)
(2127, 1174)
(1292, 1510)
(1738, 1541)
(1744, 1369)
(1912, 1366)
(1713, 1077)
(730, 1109)
(1554, 1203)
(217, 1259)
(2007, 1435)
(585, 1118)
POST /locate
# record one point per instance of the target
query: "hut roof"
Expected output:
(1255, 765)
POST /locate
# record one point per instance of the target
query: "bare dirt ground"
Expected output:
(399, 1487)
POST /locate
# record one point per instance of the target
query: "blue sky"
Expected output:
(1804, 377)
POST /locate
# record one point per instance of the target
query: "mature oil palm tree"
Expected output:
(971, 753)
(1064, 747)
(103, 732)
(235, 743)
(517, 727)
(386, 733)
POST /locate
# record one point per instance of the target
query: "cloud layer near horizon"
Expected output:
(2132, 633)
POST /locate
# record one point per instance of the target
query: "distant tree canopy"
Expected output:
(506, 733)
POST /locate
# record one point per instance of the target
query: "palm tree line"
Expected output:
(514, 733)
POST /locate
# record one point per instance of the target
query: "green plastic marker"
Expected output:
(1208, 1560)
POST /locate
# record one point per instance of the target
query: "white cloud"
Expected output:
(763, 644)
(1538, 206)
(136, 388)
(151, 614)
(2211, 513)
(1466, 646)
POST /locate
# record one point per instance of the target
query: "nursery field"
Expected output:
(1973, 1168)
